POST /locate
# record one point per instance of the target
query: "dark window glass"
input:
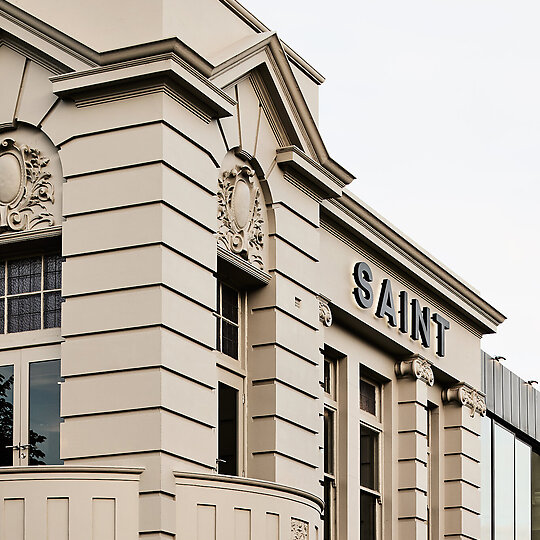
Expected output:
(229, 339)
(227, 430)
(227, 321)
(328, 441)
(52, 310)
(6, 415)
(328, 508)
(44, 417)
(368, 458)
(367, 397)
(52, 272)
(24, 313)
(229, 304)
(327, 376)
(2, 314)
(367, 516)
(24, 275)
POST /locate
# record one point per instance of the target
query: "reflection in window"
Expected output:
(30, 293)
(227, 320)
(6, 415)
(44, 415)
(503, 509)
(522, 488)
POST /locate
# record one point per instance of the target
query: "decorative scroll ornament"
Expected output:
(25, 189)
(416, 367)
(240, 214)
(325, 315)
(299, 529)
(467, 396)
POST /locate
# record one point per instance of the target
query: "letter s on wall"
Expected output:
(363, 293)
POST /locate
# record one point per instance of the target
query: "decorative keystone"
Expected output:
(416, 367)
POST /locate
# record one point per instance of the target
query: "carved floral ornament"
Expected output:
(299, 529)
(25, 189)
(416, 367)
(325, 314)
(241, 215)
(467, 396)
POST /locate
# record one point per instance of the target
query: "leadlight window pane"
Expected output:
(52, 272)
(52, 310)
(2, 278)
(24, 313)
(24, 275)
(229, 339)
(229, 306)
(368, 458)
(367, 397)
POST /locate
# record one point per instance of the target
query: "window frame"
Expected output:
(373, 422)
(41, 291)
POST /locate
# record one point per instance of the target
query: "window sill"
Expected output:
(33, 338)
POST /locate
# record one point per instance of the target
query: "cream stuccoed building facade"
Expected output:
(204, 334)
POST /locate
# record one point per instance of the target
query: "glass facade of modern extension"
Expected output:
(510, 482)
(510, 485)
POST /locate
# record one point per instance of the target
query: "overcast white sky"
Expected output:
(434, 106)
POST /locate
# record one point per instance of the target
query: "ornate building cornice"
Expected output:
(465, 395)
(416, 367)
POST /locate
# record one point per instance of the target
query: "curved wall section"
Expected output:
(86, 503)
(213, 507)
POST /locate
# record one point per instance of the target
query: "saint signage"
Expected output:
(419, 321)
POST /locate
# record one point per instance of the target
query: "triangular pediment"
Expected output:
(274, 89)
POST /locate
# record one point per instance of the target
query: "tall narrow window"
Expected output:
(6, 415)
(227, 430)
(369, 482)
(227, 317)
(30, 295)
(44, 413)
(329, 385)
(329, 474)
(368, 397)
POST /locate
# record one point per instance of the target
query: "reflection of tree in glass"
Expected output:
(35, 455)
(6, 421)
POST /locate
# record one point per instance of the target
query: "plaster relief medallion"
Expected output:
(25, 189)
(299, 529)
(240, 214)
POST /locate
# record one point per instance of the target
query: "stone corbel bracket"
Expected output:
(325, 313)
(416, 367)
(465, 395)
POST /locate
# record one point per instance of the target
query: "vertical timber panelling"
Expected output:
(138, 237)
(283, 357)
